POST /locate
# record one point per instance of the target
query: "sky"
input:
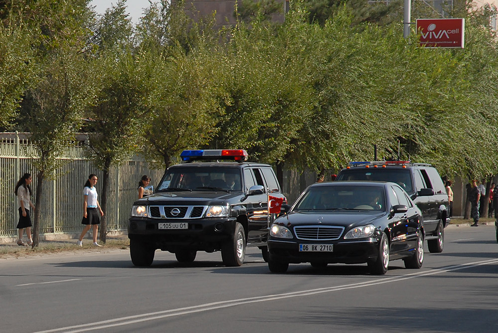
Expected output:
(135, 7)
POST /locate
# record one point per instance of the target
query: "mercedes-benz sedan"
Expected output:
(348, 222)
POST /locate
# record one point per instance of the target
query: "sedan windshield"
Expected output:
(201, 179)
(346, 197)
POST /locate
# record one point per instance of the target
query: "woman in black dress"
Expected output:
(23, 192)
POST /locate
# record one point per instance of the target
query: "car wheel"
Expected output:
(319, 264)
(436, 245)
(141, 254)
(264, 252)
(233, 251)
(277, 267)
(417, 259)
(380, 265)
(185, 256)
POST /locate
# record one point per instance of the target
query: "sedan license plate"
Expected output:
(316, 248)
(172, 226)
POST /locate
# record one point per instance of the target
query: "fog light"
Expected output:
(219, 227)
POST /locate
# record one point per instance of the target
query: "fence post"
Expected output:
(54, 202)
(18, 165)
(116, 205)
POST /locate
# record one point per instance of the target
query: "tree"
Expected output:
(52, 108)
(17, 70)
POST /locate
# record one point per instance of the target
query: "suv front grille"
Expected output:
(318, 232)
(176, 212)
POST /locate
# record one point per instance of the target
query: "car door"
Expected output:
(398, 221)
(410, 219)
(256, 206)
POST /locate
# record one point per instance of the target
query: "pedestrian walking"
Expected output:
(482, 200)
(91, 210)
(491, 207)
(23, 192)
(143, 191)
(449, 191)
(474, 197)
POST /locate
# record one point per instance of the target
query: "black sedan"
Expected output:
(348, 222)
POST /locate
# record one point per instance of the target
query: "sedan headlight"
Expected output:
(139, 211)
(217, 211)
(279, 231)
(360, 232)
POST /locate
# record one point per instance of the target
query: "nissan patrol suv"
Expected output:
(206, 206)
(421, 181)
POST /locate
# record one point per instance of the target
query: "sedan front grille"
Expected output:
(318, 232)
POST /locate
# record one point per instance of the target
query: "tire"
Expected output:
(141, 254)
(277, 267)
(185, 256)
(233, 251)
(437, 245)
(319, 264)
(381, 264)
(264, 252)
(417, 259)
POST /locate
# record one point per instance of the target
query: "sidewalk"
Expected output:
(60, 243)
(460, 222)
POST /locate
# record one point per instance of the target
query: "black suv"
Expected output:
(421, 181)
(206, 206)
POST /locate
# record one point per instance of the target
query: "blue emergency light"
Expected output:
(236, 155)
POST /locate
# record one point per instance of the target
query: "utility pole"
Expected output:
(407, 13)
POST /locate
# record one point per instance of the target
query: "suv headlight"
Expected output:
(360, 232)
(217, 211)
(139, 211)
(279, 231)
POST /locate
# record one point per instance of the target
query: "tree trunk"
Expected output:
(280, 173)
(36, 220)
(103, 202)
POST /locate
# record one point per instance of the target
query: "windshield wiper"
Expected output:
(212, 188)
(177, 189)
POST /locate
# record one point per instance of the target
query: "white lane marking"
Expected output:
(259, 299)
(457, 240)
(52, 282)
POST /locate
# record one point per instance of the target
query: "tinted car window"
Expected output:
(342, 198)
(271, 179)
(401, 196)
(189, 178)
(399, 176)
(419, 182)
(437, 183)
(248, 179)
(259, 177)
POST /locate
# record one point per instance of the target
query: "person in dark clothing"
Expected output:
(474, 197)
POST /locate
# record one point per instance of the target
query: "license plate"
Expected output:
(316, 248)
(172, 226)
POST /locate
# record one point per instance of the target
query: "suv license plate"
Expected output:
(172, 226)
(316, 248)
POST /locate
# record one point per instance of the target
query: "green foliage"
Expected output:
(248, 10)
(16, 71)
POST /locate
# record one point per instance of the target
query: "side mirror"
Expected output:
(256, 190)
(284, 208)
(399, 209)
(426, 192)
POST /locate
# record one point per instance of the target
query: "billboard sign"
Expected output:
(442, 33)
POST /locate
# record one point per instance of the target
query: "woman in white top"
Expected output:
(91, 210)
(23, 191)
(142, 191)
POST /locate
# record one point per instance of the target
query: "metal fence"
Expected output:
(61, 208)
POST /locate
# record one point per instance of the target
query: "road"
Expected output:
(455, 291)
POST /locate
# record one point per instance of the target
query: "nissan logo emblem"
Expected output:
(175, 212)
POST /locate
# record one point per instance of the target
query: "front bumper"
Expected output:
(202, 234)
(356, 251)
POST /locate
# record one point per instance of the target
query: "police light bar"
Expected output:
(237, 155)
(376, 164)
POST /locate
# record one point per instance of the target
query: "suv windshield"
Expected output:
(400, 176)
(201, 178)
(342, 198)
